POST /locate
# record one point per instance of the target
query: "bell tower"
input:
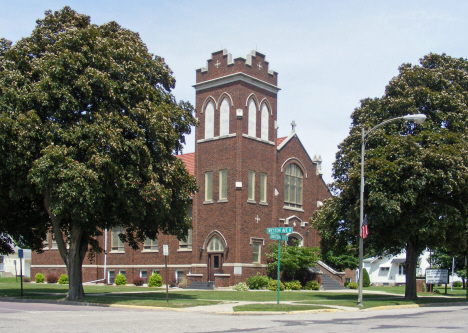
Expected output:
(235, 153)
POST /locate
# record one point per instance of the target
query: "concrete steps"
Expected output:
(329, 284)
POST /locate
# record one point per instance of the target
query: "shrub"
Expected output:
(365, 278)
(39, 278)
(241, 286)
(138, 281)
(293, 285)
(353, 285)
(312, 285)
(120, 280)
(183, 283)
(155, 280)
(457, 284)
(273, 285)
(26, 279)
(346, 284)
(63, 279)
(52, 278)
(257, 281)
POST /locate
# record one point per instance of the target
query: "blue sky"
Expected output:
(329, 54)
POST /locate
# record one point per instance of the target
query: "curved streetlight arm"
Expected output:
(418, 119)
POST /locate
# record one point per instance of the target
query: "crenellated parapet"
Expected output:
(222, 64)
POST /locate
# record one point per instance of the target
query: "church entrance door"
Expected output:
(215, 265)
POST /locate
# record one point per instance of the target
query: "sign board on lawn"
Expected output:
(436, 276)
(280, 230)
(279, 237)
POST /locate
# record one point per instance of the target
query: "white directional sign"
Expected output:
(280, 230)
(279, 237)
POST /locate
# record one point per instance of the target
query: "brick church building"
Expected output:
(249, 179)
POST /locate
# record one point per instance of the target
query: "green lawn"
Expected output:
(145, 296)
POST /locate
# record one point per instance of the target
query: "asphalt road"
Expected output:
(38, 318)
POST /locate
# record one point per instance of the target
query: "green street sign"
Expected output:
(279, 237)
(280, 230)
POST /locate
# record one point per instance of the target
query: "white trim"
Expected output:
(194, 275)
(285, 141)
(217, 138)
(116, 252)
(257, 139)
(243, 265)
(236, 77)
(222, 274)
(294, 208)
(257, 239)
(184, 250)
(248, 100)
(298, 161)
(217, 232)
(220, 99)
(266, 101)
(205, 103)
(149, 251)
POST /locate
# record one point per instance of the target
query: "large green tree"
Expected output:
(443, 259)
(88, 134)
(416, 181)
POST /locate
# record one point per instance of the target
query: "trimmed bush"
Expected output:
(26, 279)
(39, 278)
(241, 286)
(52, 278)
(293, 285)
(365, 278)
(457, 284)
(353, 285)
(138, 281)
(120, 280)
(63, 279)
(273, 285)
(312, 285)
(257, 281)
(155, 280)
(346, 284)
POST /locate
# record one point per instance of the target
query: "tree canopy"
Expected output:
(89, 131)
(416, 176)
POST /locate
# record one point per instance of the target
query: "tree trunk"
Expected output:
(76, 255)
(412, 255)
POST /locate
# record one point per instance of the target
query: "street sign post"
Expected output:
(280, 230)
(275, 233)
(279, 237)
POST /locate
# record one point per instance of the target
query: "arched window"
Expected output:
(209, 121)
(224, 118)
(293, 186)
(265, 118)
(252, 119)
(215, 245)
(294, 239)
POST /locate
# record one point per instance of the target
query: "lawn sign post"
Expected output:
(277, 234)
(166, 253)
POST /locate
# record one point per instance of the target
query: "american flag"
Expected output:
(364, 230)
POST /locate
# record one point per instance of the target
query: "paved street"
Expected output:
(37, 318)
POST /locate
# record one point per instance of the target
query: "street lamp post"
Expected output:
(418, 119)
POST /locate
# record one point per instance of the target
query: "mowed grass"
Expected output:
(179, 298)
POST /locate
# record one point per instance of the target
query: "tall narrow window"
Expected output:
(209, 121)
(252, 119)
(256, 252)
(117, 244)
(265, 118)
(54, 241)
(224, 118)
(188, 243)
(293, 186)
(150, 245)
(251, 194)
(223, 184)
(263, 187)
(209, 186)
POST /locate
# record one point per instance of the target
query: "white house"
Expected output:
(390, 270)
(10, 264)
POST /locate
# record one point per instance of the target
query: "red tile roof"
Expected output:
(189, 160)
(279, 140)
